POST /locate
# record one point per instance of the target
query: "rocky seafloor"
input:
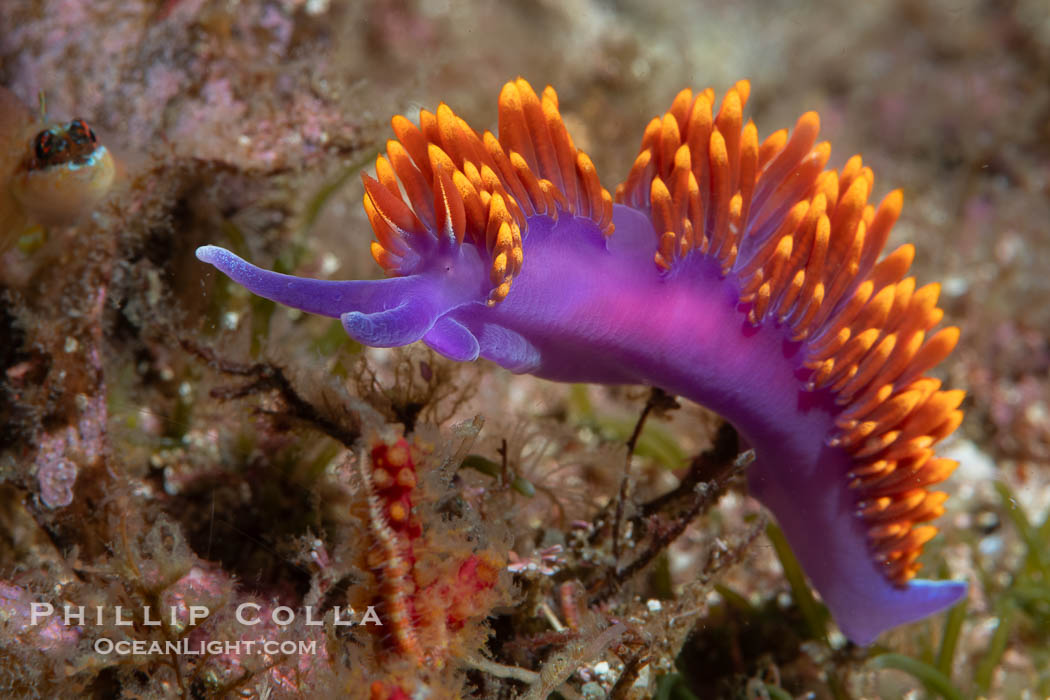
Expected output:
(167, 440)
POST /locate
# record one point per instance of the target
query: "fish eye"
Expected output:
(79, 132)
(43, 144)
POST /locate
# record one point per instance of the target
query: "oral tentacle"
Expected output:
(507, 348)
(406, 323)
(451, 339)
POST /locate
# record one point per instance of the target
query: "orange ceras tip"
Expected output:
(731, 269)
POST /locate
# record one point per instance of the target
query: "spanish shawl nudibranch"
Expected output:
(741, 275)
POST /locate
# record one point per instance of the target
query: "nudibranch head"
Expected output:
(742, 275)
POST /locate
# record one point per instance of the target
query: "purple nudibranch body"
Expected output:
(501, 249)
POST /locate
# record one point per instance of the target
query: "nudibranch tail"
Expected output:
(743, 275)
(460, 187)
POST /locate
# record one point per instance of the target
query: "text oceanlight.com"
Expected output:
(185, 647)
(246, 614)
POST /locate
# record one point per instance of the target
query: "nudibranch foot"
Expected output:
(735, 272)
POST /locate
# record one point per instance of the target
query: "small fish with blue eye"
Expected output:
(51, 174)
